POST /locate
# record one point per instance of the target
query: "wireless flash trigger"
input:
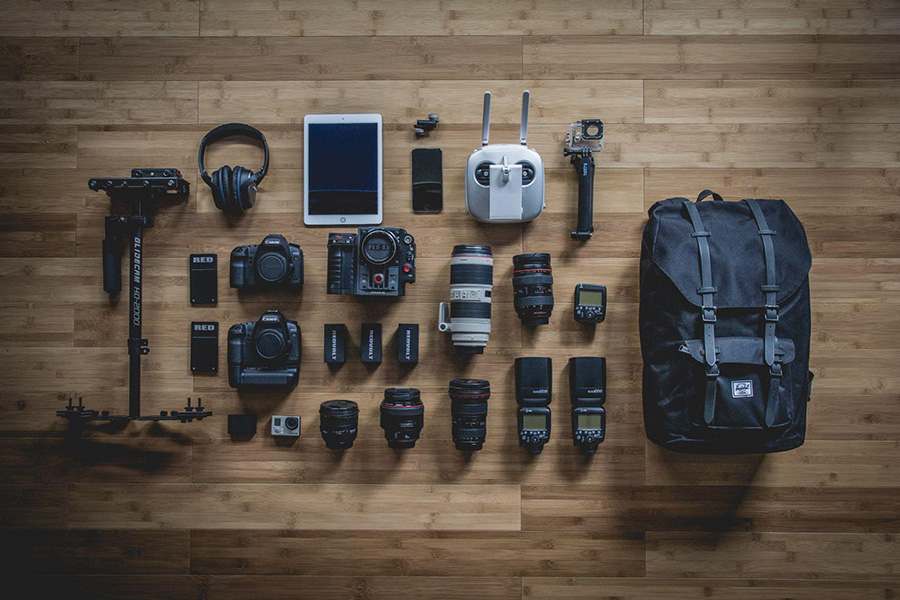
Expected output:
(233, 189)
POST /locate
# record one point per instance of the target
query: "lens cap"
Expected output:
(270, 344)
(271, 266)
(402, 396)
(470, 389)
(338, 408)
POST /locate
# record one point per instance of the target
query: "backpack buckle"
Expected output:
(771, 313)
(775, 370)
(709, 314)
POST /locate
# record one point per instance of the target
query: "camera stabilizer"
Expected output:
(143, 189)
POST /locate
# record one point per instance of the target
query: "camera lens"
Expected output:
(379, 246)
(338, 423)
(291, 423)
(402, 417)
(533, 288)
(469, 409)
(471, 288)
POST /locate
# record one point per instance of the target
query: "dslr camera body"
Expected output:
(376, 261)
(265, 353)
(273, 263)
(504, 182)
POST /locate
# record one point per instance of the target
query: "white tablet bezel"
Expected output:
(375, 219)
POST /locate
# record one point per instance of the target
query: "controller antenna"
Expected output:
(523, 130)
(486, 119)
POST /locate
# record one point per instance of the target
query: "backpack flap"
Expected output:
(735, 251)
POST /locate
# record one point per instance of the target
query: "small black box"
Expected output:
(204, 274)
(408, 343)
(370, 343)
(204, 346)
(335, 343)
(242, 425)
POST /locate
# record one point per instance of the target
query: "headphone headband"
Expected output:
(229, 130)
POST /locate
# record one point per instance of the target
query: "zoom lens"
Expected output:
(533, 288)
(469, 409)
(468, 316)
(339, 423)
(402, 417)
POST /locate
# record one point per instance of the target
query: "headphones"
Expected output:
(233, 189)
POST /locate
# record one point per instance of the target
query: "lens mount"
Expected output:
(379, 246)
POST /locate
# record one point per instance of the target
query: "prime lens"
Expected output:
(468, 406)
(402, 417)
(339, 423)
(533, 288)
(468, 316)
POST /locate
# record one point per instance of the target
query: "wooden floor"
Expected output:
(758, 98)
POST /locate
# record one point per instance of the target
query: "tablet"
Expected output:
(342, 179)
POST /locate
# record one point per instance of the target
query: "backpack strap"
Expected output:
(708, 312)
(770, 290)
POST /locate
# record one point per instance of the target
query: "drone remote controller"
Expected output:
(504, 182)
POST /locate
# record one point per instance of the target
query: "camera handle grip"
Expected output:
(584, 167)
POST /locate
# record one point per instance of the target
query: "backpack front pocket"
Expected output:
(745, 395)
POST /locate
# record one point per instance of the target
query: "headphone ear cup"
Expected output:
(215, 184)
(242, 179)
(229, 206)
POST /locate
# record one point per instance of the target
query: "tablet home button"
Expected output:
(343, 219)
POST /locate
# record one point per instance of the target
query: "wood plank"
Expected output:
(772, 101)
(279, 506)
(854, 418)
(36, 324)
(597, 588)
(712, 57)
(402, 102)
(296, 58)
(629, 145)
(770, 17)
(773, 555)
(371, 588)
(96, 17)
(424, 18)
(85, 552)
(51, 460)
(38, 146)
(110, 587)
(617, 508)
(815, 463)
(35, 58)
(88, 102)
(448, 554)
(807, 191)
(37, 235)
(31, 507)
(370, 461)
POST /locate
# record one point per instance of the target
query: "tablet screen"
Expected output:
(342, 168)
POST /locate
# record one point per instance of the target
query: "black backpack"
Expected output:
(724, 320)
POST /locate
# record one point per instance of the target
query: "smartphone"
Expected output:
(427, 180)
